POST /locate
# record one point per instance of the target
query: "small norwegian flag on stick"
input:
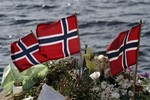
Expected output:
(122, 51)
(25, 52)
(59, 39)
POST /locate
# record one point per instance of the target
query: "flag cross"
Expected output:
(26, 52)
(126, 46)
(64, 37)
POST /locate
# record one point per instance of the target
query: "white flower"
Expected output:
(139, 82)
(125, 85)
(95, 75)
(115, 95)
(109, 88)
(130, 93)
(103, 85)
(105, 95)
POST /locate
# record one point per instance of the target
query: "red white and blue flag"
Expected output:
(122, 51)
(25, 52)
(58, 39)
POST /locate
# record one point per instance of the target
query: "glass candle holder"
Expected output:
(17, 87)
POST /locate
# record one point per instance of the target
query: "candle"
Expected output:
(17, 87)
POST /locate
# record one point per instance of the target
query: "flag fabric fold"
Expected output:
(122, 51)
(58, 39)
(25, 52)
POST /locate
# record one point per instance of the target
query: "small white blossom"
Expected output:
(139, 81)
(103, 85)
(125, 85)
(130, 93)
(95, 75)
(105, 95)
(109, 88)
(115, 95)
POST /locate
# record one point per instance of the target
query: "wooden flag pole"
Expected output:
(81, 59)
(136, 68)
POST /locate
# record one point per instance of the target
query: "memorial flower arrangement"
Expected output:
(94, 84)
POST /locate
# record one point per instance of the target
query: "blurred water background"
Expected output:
(99, 22)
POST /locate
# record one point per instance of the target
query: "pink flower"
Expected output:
(129, 69)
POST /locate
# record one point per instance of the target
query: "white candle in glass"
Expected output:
(17, 87)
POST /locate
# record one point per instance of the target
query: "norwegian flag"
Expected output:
(122, 52)
(59, 39)
(25, 52)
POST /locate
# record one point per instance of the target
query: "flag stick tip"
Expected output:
(31, 31)
(75, 13)
(141, 21)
